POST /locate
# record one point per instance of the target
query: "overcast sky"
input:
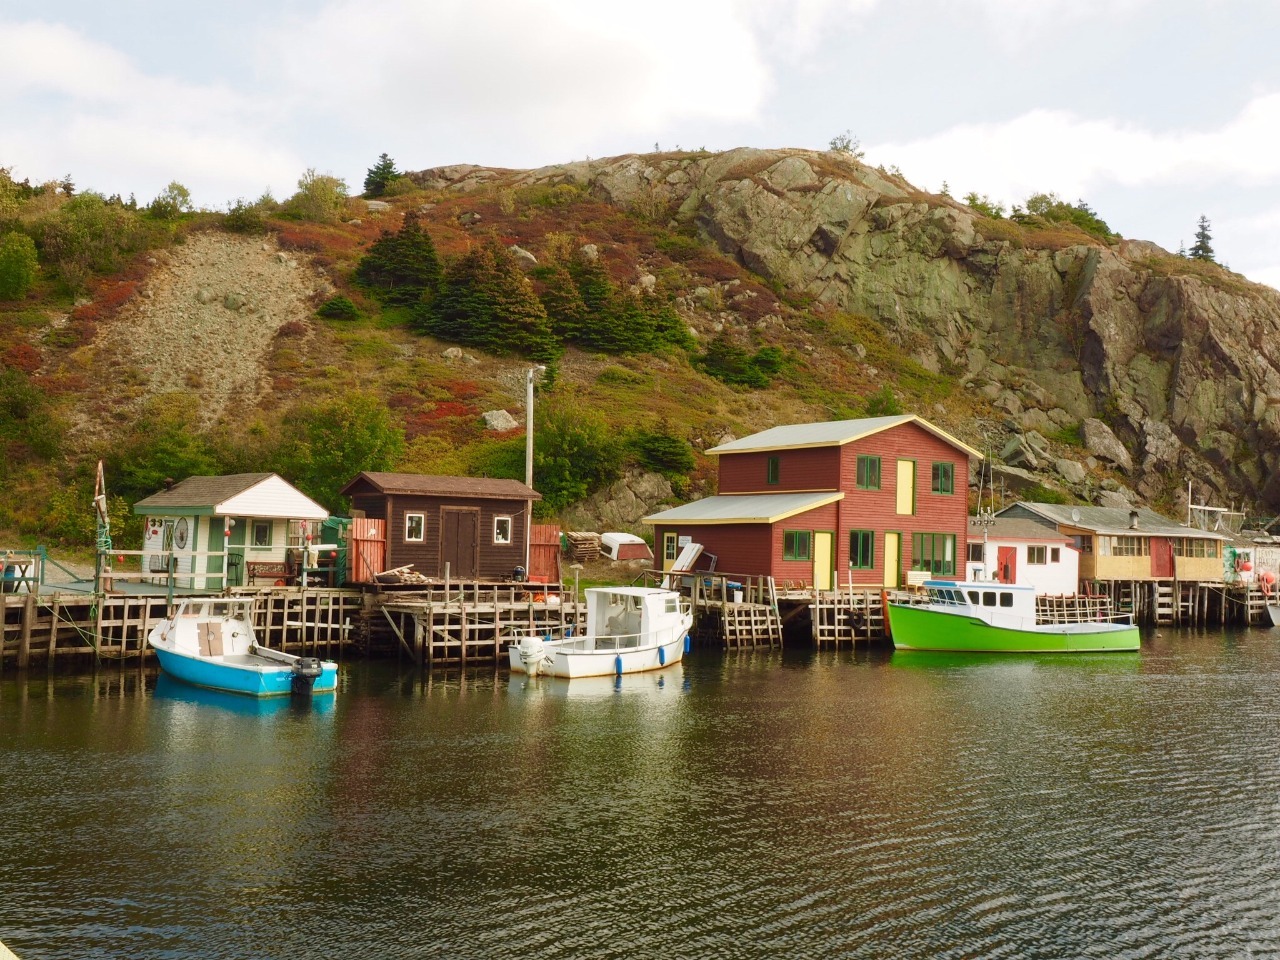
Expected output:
(1153, 111)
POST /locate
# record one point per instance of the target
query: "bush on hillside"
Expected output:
(338, 308)
(173, 201)
(732, 364)
(662, 451)
(1042, 208)
(18, 265)
(245, 217)
(88, 235)
(320, 198)
(379, 175)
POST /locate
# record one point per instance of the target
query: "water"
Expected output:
(761, 805)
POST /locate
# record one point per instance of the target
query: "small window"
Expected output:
(976, 553)
(672, 605)
(1006, 599)
(862, 549)
(944, 477)
(1037, 554)
(796, 545)
(1055, 555)
(414, 527)
(262, 533)
(501, 529)
(989, 599)
(973, 597)
(670, 546)
(771, 470)
(868, 473)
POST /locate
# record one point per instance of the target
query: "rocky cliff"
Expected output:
(1065, 334)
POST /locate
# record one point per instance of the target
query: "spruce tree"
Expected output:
(1201, 249)
(402, 269)
(561, 300)
(380, 174)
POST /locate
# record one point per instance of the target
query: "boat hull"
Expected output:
(254, 681)
(921, 628)
(602, 663)
(1273, 610)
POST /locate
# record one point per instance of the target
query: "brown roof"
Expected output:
(203, 491)
(1017, 528)
(444, 486)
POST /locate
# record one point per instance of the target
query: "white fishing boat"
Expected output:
(628, 630)
(210, 643)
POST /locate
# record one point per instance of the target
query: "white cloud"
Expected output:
(553, 74)
(1058, 151)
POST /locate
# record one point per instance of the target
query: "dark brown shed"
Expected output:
(476, 525)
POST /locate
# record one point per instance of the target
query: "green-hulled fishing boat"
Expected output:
(990, 617)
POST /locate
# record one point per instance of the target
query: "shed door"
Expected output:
(824, 559)
(1007, 564)
(892, 558)
(1161, 557)
(460, 542)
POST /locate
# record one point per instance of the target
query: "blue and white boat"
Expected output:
(210, 643)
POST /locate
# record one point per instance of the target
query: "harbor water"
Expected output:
(754, 805)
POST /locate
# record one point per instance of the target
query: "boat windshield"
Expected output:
(947, 597)
(223, 609)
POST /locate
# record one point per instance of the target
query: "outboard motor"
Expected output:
(305, 672)
(533, 653)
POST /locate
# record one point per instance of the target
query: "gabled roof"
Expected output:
(263, 495)
(744, 508)
(431, 485)
(833, 433)
(1115, 521)
(1017, 528)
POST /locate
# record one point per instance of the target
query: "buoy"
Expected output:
(1246, 567)
(662, 656)
(617, 665)
(686, 643)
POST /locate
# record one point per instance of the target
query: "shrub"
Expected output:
(402, 268)
(661, 451)
(244, 217)
(18, 265)
(883, 403)
(21, 356)
(338, 308)
(320, 198)
(575, 452)
(732, 364)
(173, 201)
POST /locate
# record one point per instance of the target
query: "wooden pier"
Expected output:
(56, 627)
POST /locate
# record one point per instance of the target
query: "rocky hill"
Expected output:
(1178, 359)
(1091, 367)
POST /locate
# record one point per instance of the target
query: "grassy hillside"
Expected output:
(362, 386)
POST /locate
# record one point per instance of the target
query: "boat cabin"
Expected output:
(632, 612)
(1006, 598)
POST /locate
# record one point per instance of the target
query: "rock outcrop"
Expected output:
(1171, 374)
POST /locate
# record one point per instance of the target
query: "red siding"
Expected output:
(496, 561)
(812, 468)
(876, 509)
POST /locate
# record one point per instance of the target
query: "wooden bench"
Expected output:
(268, 569)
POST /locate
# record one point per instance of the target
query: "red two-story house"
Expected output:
(875, 497)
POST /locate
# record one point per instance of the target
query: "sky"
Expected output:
(1154, 112)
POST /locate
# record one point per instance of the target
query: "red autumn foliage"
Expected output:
(294, 328)
(21, 356)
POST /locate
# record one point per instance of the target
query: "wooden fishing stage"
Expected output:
(466, 622)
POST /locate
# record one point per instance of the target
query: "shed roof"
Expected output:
(833, 433)
(1116, 521)
(1017, 528)
(432, 485)
(744, 508)
(265, 495)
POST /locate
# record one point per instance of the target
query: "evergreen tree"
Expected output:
(562, 302)
(402, 268)
(1201, 249)
(485, 301)
(379, 175)
(593, 283)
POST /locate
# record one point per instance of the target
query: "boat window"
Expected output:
(1006, 599)
(989, 599)
(973, 596)
(672, 605)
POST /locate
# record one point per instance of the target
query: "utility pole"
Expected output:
(533, 374)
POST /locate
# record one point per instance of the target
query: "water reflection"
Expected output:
(756, 804)
(177, 693)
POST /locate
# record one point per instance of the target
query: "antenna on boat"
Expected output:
(103, 540)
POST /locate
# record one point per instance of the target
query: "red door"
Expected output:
(1162, 558)
(1007, 564)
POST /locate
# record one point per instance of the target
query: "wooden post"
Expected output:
(24, 643)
